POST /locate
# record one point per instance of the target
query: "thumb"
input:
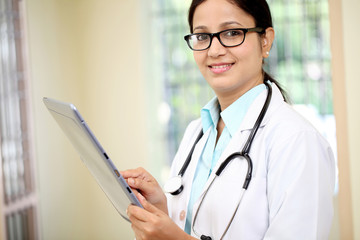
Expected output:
(147, 206)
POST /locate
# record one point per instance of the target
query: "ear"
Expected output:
(267, 41)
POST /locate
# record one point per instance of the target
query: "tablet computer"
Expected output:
(93, 155)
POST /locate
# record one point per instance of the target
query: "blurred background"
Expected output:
(126, 67)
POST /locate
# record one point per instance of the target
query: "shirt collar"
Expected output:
(210, 114)
(232, 115)
(235, 113)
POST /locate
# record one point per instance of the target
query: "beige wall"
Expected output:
(346, 79)
(86, 52)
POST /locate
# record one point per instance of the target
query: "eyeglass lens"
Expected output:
(228, 38)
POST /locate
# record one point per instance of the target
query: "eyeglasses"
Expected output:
(228, 38)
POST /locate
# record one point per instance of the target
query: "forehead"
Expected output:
(213, 14)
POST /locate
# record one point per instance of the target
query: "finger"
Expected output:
(138, 230)
(148, 206)
(139, 183)
(137, 214)
(134, 173)
(137, 226)
(135, 191)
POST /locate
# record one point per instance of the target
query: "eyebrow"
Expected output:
(221, 25)
(230, 23)
(199, 28)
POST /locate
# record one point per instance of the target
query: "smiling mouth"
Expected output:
(220, 68)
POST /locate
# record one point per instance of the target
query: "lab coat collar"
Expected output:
(257, 105)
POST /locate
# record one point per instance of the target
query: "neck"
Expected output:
(226, 98)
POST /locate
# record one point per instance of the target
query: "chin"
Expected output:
(222, 84)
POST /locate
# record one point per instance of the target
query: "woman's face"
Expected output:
(230, 71)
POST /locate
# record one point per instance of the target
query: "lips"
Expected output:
(220, 67)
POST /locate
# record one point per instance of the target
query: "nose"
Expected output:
(216, 49)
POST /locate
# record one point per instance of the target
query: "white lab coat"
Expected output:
(290, 194)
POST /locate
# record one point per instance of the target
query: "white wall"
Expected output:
(86, 52)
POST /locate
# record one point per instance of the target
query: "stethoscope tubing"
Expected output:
(257, 124)
(188, 159)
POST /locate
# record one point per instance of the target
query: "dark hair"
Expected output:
(259, 10)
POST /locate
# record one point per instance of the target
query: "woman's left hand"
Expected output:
(150, 223)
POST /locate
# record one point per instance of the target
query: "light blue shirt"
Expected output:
(210, 115)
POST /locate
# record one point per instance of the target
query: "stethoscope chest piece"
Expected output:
(174, 185)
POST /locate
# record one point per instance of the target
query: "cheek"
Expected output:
(249, 53)
(199, 58)
(252, 46)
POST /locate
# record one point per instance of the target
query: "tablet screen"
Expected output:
(93, 155)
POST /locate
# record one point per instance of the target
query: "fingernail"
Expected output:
(131, 181)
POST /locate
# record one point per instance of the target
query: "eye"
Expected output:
(232, 33)
(201, 37)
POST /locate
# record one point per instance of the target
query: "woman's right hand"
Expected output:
(151, 223)
(143, 182)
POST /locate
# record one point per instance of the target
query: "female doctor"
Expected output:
(250, 167)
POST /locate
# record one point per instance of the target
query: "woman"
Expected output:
(290, 192)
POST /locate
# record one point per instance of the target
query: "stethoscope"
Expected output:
(174, 185)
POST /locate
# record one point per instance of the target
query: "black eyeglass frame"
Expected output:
(217, 35)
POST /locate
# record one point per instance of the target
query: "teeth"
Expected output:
(221, 66)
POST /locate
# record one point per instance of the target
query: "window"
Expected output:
(18, 198)
(184, 89)
(300, 60)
